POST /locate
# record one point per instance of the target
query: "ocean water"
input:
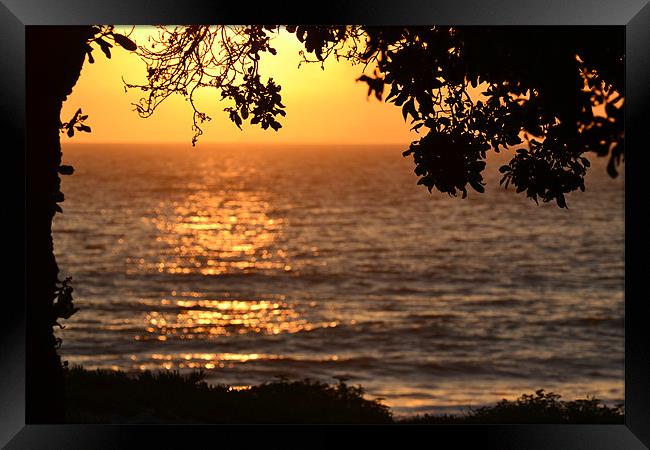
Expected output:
(257, 262)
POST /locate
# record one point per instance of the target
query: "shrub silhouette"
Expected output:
(105, 396)
(540, 407)
(102, 396)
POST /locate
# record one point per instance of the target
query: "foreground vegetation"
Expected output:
(103, 396)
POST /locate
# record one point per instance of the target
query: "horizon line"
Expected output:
(189, 143)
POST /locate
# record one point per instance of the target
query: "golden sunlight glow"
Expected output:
(323, 106)
(205, 319)
(214, 233)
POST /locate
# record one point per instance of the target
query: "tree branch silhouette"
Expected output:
(182, 60)
(554, 93)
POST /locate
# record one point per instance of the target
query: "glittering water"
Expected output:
(256, 262)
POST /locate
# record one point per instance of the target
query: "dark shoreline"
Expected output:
(106, 396)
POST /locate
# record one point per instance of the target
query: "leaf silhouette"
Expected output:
(125, 42)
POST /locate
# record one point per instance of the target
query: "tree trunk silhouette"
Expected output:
(54, 57)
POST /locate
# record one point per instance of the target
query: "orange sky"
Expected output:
(323, 106)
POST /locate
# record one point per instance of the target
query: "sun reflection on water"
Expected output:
(201, 319)
(214, 233)
(184, 360)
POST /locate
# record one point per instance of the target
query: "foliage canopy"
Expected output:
(551, 93)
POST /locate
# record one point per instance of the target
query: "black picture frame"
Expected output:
(634, 15)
